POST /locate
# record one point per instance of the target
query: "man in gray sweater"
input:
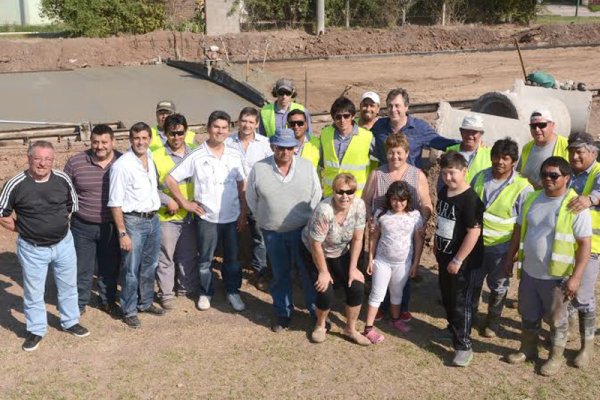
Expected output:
(282, 192)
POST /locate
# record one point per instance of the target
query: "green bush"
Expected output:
(101, 18)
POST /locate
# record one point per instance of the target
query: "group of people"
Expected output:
(157, 214)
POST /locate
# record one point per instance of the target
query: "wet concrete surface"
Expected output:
(110, 94)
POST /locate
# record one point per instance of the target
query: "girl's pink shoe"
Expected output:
(400, 325)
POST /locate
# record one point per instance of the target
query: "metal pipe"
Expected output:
(320, 17)
(8, 121)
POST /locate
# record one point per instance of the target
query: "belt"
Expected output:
(148, 215)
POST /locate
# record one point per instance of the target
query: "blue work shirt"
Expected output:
(419, 134)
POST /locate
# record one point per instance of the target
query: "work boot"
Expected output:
(528, 349)
(554, 362)
(587, 326)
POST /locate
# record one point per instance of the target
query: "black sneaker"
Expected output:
(132, 321)
(31, 342)
(282, 324)
(154, 310)
(77, 330)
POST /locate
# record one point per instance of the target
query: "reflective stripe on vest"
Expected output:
(164, 165)
(560, 150)
(482, 160)
(356, 160)
(564, 246)
(267, 116)
(156, 142)
(311, 151)
(589, 186)
(498, 219)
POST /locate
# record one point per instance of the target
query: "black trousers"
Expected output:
(458, 292)
(338, 269)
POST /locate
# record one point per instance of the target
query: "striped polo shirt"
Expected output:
(91, 183)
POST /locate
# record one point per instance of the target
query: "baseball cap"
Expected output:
(472, 123)
(284, 83)
(165, 105)
(542, 113)
(578, 139)
(284, 138)
(372, 96)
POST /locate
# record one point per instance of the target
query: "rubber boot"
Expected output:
(528, 349)
(554, 362)
(587, 326)
(495, 306)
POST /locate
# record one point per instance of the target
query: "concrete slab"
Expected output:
(128, 94)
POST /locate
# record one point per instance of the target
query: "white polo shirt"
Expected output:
(215, 181)
(132, 187)
(258, 149)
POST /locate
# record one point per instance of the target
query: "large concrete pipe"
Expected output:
(514, 105)
(450, 119)
(579, 103)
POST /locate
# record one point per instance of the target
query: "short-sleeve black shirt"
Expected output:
(454, 216)
(42, 208)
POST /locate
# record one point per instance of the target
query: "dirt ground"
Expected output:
(220, 354)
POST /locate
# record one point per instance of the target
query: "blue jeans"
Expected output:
(283, 250)
(35, 261)
(96, 245)
(209, 235)
(259, 251)
(138, 266)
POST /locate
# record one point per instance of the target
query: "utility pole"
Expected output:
(320, 17)
(577, 7)
(347, 13)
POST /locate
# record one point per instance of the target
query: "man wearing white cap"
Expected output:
(471, 147)
(545, 143)
(273, 116)
(164, 108)
(369, 110)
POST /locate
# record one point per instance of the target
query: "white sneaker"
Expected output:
(236, 302)
(203, 302)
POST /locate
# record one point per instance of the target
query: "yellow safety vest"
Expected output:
(311, 151)
(267, 116)
(156, 143)
(164, 165)
(356, 159)
(589, 186)
(562, 260)
(560, 150)
(481, 160)
(498, 219)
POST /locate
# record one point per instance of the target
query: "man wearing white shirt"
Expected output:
(253, 148)
(134, 202)
(219, 203)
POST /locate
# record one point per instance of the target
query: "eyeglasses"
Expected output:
(284, 93)
(296, 123)
(283, 148)
(43, 160)
(338, 117)
(176, 133)
(349, 192)
(540, 125)
(550, 175)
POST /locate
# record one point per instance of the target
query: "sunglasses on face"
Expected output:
(284, 93)
(176, 133)
(348, 192)
(540, 125)
(550, 175)
(296, 123)
(338, 117)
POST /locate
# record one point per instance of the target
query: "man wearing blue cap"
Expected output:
(282, 192)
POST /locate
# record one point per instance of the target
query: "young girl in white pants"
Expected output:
(394, 253)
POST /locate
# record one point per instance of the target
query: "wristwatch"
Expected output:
(122, 234)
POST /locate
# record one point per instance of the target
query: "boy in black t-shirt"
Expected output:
(458, 250)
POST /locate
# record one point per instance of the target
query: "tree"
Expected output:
(100, 18)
